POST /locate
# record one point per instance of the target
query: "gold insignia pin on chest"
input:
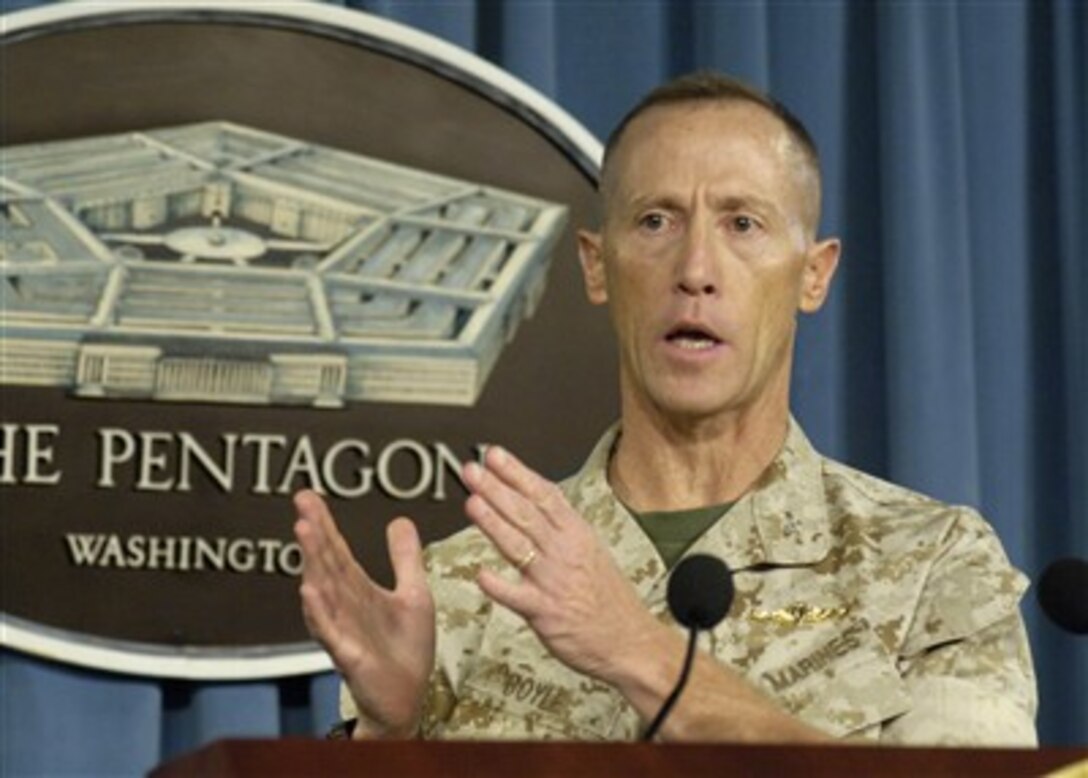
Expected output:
(798, 613)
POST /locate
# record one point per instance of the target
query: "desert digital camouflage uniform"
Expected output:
(869, 611)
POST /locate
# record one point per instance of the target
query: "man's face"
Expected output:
(705, 257)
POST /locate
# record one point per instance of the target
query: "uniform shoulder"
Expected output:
(854, 492)
(901, 518)
(860, 485)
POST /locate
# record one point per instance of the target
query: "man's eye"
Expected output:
(744, 223)
(655, 222)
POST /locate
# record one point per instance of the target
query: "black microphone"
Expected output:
(1063, 594)
(699, 595)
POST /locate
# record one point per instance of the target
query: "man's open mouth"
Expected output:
(692, 338)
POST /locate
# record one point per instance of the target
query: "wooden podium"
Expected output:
(301, 757)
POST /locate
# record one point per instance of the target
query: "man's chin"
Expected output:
(692, 408)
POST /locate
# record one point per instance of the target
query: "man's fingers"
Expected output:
(537, 490)
(315, 527)
(314, 611)
(333, 583)
(511, 542)
(311, 507)
(326, 628)
(509, 505)
(323, 544)
(320, 614)
(406, 555)
(515, 596)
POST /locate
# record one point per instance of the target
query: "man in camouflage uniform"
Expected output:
(863, 610)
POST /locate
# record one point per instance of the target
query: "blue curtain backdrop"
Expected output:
(953, 357)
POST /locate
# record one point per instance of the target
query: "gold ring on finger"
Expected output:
(523, 563)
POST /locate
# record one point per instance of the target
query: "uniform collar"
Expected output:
(784, 515)
(782, 520)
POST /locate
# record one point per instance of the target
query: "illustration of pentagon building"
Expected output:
(219, 263)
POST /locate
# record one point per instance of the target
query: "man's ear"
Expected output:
(820, 262)
(591, 256)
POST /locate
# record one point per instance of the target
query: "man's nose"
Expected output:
(697, 270)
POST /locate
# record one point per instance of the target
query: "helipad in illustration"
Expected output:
(220, 263)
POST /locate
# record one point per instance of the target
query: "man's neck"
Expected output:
(661, 465)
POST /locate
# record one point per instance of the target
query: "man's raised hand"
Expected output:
(570, 592)
(381, 640)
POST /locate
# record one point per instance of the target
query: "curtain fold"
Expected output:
(929, 343)
(952, 357)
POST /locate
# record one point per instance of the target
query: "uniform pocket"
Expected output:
(838, 676)
(515, 689)
(513, 699)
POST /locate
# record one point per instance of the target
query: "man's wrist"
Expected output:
(647, 670)
(359, 729)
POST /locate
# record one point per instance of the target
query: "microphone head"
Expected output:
(700, 591)
(1063, 594)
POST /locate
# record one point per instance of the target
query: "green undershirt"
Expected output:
(672, 532)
